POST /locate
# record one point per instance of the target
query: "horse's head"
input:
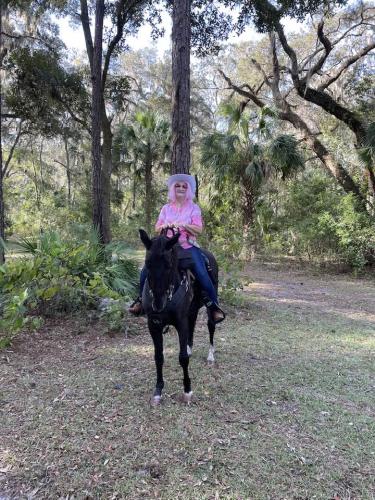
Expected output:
(161, 265)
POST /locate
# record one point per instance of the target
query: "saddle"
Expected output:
(185, 261)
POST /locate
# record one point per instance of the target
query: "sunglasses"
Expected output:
(183, 186)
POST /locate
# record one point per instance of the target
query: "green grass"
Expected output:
(287, 412)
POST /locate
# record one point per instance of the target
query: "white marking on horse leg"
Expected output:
(211, 352)
(189, 351)
(155, 400)
(186, 397)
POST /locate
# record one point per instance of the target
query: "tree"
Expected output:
(272, 83)
(9, 39)
(210, 27)
(315, 76)
(240, 163)
(142, 147)
(126, 16)
(181, 35)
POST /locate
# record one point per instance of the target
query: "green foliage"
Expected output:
(316, 220)
(62, 276)
(284, 154)
(41, 90)
(367, 152)
(113, 314)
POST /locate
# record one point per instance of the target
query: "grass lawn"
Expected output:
(287, 411)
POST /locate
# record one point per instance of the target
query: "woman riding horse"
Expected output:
(184, 215)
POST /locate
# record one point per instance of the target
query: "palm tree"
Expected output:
(246, 158)
(143, 146)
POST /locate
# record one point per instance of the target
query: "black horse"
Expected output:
(171, 296)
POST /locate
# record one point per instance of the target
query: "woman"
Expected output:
(185, 215)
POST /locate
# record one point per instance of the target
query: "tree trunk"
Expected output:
(248, 213)
(328, 161)
(68, 171)
(371, 191)
(106, 176)
(96, 112)
(148, 195)
(181, 34)
(2, 208)
(2, 211)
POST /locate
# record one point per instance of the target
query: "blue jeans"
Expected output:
(200, 271)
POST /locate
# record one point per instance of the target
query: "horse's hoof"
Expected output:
(211, 356)
(155, 401)
(187, 397)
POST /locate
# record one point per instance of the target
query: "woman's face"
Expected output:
(180, 189)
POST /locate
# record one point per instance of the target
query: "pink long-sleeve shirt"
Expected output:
(188, 213)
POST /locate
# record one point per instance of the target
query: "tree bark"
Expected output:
(248, 213)
(96, 112)
(148, 195)
(329, 162)
(2, 208)
(181, 35)
(68, 171)
(106, 176)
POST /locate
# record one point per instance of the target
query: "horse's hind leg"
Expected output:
(157, 337)
(211, 350)
(184, 360)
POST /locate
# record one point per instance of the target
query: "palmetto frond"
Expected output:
(148, 138)
(284, 155)
(367, 152)
(238, 121)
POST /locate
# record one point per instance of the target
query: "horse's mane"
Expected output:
(158, 248)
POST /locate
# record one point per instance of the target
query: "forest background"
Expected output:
(282, 143)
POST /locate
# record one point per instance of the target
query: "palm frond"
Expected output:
(284, 155)
(367, 152)
(25, 245)
(3, 245)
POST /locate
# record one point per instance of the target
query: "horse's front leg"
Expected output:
(193, 313)
(211, 350)
(156, 332)
(183, 335)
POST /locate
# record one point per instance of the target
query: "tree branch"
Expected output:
(121, 17)
(250, 95)
(276, 69)
(327, 50)
(85, 21)
(261, 70)
(59, 98)
(288, 50)
(345, 65)
(11, 152)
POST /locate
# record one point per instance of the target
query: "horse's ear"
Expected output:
(145, 239)
(172, 241)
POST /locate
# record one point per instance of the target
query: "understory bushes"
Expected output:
(314, 219)
(60, 276)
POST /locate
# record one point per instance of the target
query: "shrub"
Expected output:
(316, 219)
(61, 276)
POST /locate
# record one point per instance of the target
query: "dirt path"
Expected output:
(333, 295)
(286, 412)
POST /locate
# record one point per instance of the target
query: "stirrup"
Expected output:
(212, 307)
